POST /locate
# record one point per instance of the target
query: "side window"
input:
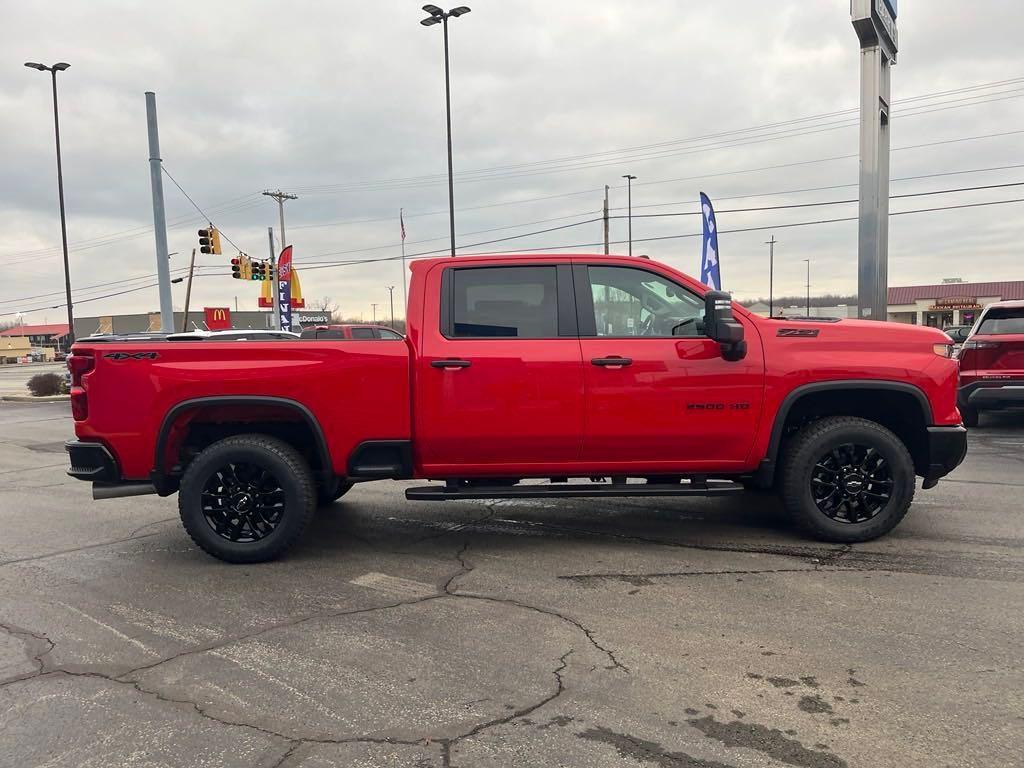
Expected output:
(362, 333)
(506, 302)
(635, 302)
(331, 334)
(386, 334)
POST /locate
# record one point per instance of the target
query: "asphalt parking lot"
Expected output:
(670, 633)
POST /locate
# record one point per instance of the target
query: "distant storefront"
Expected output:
(949, 303)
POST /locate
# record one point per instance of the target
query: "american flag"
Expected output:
(401, 221)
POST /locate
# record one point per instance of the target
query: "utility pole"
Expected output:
(808, 262)
(405, 295)
(156, 181)
(391, 296)
(605, 217)
(281, 197)
(771, 276)
(629, 202)
(374, 306)
(273, 281)
(188, 291)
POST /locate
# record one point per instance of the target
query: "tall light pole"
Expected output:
(391, 296)
(437, 16)
(629, 203)
(808, 263)
(60, 67)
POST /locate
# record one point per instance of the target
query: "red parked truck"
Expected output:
(524, 376)
(992, 362)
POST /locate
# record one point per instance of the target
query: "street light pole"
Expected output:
(771, 275)
(391, 296)
(60, 67)
(438, 16)
(629, 203)
(808, 263)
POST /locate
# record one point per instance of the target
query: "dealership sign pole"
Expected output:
(875, 24)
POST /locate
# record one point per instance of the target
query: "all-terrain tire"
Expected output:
(814, 443)
(282, 464)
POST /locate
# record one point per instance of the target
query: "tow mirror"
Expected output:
(722, 326)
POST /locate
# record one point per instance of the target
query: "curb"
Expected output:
(32, 399)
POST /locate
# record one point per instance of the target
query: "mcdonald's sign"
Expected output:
(218, 318)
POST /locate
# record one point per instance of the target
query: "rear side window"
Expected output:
(363, 333)
(505, 302)
(1002, 321)
(385, 334)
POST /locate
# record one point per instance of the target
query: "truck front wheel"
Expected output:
(246, 499)
(847, 479)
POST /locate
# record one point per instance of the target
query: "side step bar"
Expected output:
(570, 490)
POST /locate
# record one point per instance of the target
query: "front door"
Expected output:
(659, 394)
(499, 384)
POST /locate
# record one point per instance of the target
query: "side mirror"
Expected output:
(722, 326)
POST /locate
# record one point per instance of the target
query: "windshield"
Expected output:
(1002, 321)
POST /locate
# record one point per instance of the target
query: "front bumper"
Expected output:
(985, 394)
(947, 447)
(92, 461)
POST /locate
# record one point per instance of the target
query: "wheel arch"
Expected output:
(902, 407)
(178, 418)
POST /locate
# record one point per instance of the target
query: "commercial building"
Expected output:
(952, 302)
(41, 337)
(14, 349)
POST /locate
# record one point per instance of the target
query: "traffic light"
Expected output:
(260, 270)
(209, 240)
(241, 267)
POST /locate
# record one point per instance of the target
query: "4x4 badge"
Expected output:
(132, 355)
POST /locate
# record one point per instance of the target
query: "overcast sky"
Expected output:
(343, 104)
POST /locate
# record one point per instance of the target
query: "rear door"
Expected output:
(499, 381)
(659, 394)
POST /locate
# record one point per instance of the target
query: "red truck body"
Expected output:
(455, 405)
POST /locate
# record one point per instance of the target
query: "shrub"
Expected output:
(43, 384)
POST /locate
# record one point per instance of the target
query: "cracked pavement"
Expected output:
(691, 633)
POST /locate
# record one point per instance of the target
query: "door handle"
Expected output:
(610, 362)
(450, 364)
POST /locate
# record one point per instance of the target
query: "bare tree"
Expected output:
(326, 304)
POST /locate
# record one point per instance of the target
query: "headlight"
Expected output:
(943, 350)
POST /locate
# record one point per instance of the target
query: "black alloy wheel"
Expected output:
(846, 479)
(243, 502)
(247, 498)
(851, 483)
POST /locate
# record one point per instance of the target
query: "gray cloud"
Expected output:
(328, 100)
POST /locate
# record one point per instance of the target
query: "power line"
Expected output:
(196, 205)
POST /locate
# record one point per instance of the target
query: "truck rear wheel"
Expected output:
(847, 479)
(246, 499)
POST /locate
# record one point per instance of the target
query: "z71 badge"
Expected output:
(132, 355)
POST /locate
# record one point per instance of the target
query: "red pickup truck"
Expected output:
(525, 376)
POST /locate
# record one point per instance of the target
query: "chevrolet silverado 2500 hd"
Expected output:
(523, 376)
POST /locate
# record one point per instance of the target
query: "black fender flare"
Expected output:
(159, 474)
(766, 470)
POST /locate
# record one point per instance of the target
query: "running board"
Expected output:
(570, 490)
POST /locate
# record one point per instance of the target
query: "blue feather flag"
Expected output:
(710, 271)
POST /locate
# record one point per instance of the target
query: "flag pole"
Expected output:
(405, 297)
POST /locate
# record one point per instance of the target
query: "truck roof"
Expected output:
(418, 264)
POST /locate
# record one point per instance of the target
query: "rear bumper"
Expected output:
(989, 393)
(92, 461)
(947, 447)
